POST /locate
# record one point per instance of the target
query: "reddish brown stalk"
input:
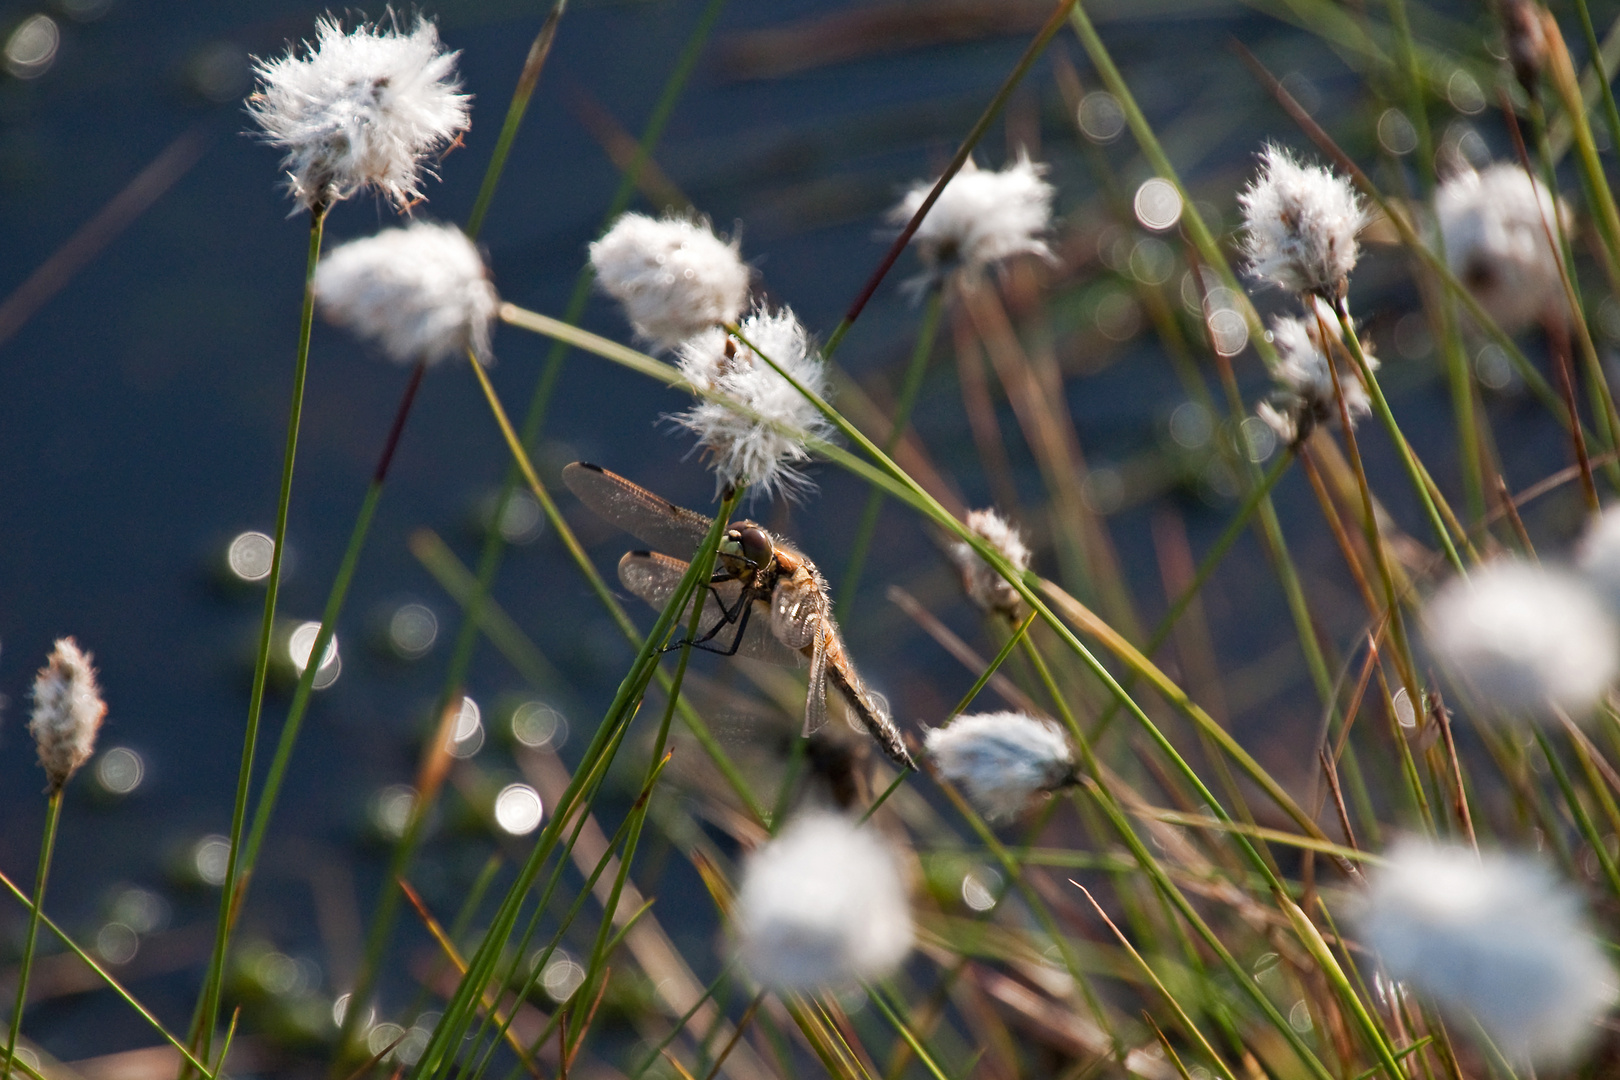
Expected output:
(1442, 717)
(1331, 771)
(1347, 547)
(1354, 707)
(742, 1026)
(1375, 540)
(1510, 510)
(398, 427)
(1060, 15)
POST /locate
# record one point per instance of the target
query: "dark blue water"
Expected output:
(142, 411)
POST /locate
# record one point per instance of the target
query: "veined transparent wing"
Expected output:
(656, 522)
(654, 578)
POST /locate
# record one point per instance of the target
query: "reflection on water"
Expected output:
(120, 770)
(518, 810)
(412, 630)
(250, 555)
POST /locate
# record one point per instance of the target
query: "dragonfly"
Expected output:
(769, 602)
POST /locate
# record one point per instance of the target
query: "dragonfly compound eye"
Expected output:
(756, 545)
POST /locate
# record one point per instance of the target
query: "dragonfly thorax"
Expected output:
(749, 544)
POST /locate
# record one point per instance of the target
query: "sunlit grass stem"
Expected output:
(528, 79)
(202, 1035)
(47, 847)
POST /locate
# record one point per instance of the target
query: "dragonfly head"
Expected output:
(748, 543)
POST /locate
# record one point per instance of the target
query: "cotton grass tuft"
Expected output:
(1003, 760)
(1493, 937)
(980, 217)
(763, 442)
(421, 292)
(68, 711)
(360, 109)
(1519, 639)
(673, 275)
(822, 907)
(1299, 226)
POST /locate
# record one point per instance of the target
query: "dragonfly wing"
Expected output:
(656, 522)
(654, 578)
(815, 700)
(796, 611)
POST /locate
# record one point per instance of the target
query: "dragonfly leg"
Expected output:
(745, 603)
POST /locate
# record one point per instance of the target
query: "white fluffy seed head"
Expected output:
(822, 907)
(1598, 555)
(1495, 226)
(421, 293)
(1497, 938)
(761, 443)
(1304, 396)
(674, 277)
(984, 586)
(1520, 639)
(980, 217)
(68, 711)
(1300, 224)
(1003, 760)
(360, 109)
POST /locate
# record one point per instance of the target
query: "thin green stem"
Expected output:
(47, 847)
(329, 616)
(915, 370)
(980, 126)
(1611, 115)
(1381, 406)
(704, 563)
(880, 998)
(103, 974)
(203, 1034)
(489, 559)
(453, 1024)
(533, 64)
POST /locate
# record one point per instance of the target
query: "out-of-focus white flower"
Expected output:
(986, 588)
(1300, 224)
(674, 277)
(1494, 224)
(822, 907)
(358, 109)
(980, 217)
(1519, 638)
(1598, 555)
(420, 292)
(761, 443)
(1494, 937)
(1002, 759)
(1304, 397)
(68, 711)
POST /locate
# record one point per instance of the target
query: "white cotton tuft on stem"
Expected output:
(981, 217)
(1597, 557)
(985, 587)
(762, 442)
(1003, 760)
(68, 711)
(1496, 938)
(360, 109)
(674, 277)
(1299, 226)
(822, 907)
(1304, 396)
(1521, 639)
(420, 293)
(1495, 225)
